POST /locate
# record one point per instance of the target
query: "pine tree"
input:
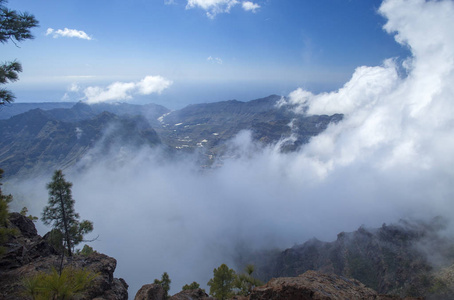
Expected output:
(15, 27)
(165, 283)
(60, 213)
(221, 285)
(193, 286)
(245, 282)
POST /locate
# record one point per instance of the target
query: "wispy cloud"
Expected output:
(72, 33)
(212, 7)
(169, 2)
(126, 90)
(214, 60)
(74, 87)
(250, 6)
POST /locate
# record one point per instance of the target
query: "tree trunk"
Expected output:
(65, 223)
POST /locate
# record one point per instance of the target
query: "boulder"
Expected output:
(156, 292)
(196, 294)
(315, 285)
(23, 224)
(150, 292)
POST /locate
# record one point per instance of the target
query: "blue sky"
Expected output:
(194, 50)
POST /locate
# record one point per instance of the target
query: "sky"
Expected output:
(389, 158)
(194, 51)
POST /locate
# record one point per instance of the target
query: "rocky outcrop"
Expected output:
(150, 292)
(197, 294)
(156, 292)
(317, 286)
(28, 253)
(312, 285)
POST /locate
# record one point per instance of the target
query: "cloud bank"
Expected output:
(71, 33)
(126, 90)
(389, 158)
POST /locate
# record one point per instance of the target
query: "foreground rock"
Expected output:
(197, 294)
(311, 285)
(150, 292)
(28, 253)
(156, 292)
(317, 286)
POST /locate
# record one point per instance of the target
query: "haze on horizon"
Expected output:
(390, 158)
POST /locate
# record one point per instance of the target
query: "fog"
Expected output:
(390, 158)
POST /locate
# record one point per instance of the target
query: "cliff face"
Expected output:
(27, 253)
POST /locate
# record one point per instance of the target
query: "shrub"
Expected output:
(69, 285)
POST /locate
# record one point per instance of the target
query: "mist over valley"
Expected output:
(356, 181)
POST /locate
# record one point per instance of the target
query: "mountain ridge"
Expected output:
(30, 141)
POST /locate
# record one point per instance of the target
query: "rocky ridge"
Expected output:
(27, 253)
(38, 142)
(57, 137)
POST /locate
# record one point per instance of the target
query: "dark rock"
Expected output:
(28, 254)
(197, 294)
(317, 286)
(150, 292)
(24, 224)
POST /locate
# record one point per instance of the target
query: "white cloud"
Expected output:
(153, 84)
(74, 88)
(250, 6)
(394, 122)
(213, 7)
(126, 90)
(68, 33)
(365, 88)
(49, 31)
(115, 91)
(169, 2)
(214, 59)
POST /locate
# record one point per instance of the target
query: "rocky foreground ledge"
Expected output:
(311, 285)
(27, 253)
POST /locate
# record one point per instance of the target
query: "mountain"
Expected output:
(82, 111)
(71, 111)
(40, 140)
(37, 141)
(404, 259)
(12, 109)
(208, 126)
